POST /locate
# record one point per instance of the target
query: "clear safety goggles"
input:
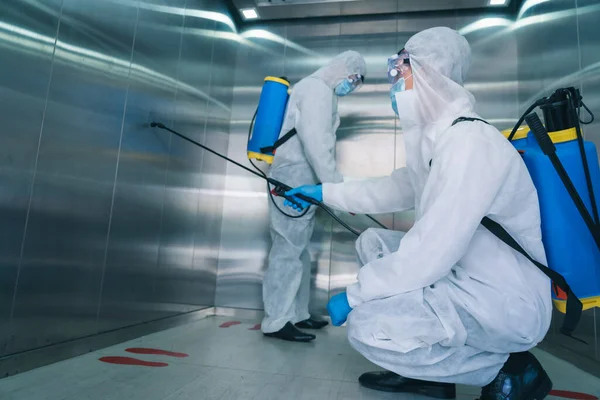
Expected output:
(356, 80)
(398, 64)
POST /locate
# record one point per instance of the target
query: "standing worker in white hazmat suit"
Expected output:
(448, 302)
(307, 158)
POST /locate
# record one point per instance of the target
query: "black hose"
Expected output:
(377, 222)
(342, 223)
(250, 129)
(592, 117)
(549, 149)
(586, 167)
(260, 174)
(520, 121)
(162, 126)
(573, 101)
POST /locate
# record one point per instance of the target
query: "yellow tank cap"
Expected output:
(521, 133)
(563, 136)
(260, 157)
(278, 80)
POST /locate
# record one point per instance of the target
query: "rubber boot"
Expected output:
(521, 378)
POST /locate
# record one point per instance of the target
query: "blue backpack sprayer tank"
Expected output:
(265, 128)
(564, 169)
(268, 120)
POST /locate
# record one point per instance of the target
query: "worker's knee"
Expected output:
(368, 246)
(367, 239)
(352, 330)
(353, 340)
(359, 323)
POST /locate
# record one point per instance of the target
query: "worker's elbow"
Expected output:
(330, 177)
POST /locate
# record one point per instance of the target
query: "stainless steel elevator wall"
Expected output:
(559, 46)
(104, 222)
(369, 138)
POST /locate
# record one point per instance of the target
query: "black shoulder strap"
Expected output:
(574, 305)
(279, 142)
(463, 119)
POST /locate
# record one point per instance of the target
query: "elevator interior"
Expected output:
(112, 230)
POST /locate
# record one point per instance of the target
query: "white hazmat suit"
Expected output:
(307, 158)
(447, 301)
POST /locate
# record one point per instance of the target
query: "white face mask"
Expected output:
(399, 86)
(406, 105)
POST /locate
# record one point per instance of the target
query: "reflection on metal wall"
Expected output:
(104, 222)
(559, 46)
(369, 139)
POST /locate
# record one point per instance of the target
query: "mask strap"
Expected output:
(404, 79)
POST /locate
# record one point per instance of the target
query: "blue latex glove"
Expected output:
(339, 308)
(312, 191)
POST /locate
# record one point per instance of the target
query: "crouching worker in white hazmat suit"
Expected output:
(448, 302)
(307, 158)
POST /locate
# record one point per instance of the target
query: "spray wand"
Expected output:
(279, 188)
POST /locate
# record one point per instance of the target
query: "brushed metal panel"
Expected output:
(114, 70)
(36, 358)
(494, 74)
(222, 51)
(26, 68)
(588, 15)
(564, 47)
(211, 197)
(131, 261)
(24, 77)
(539, 74)
(530, 82)
(59, 283)
(181, 280)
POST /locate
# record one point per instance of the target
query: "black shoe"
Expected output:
(312, 324)
(386, 381)
(521, 378)
(290, 333)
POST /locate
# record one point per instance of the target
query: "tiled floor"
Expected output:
(231, 363)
